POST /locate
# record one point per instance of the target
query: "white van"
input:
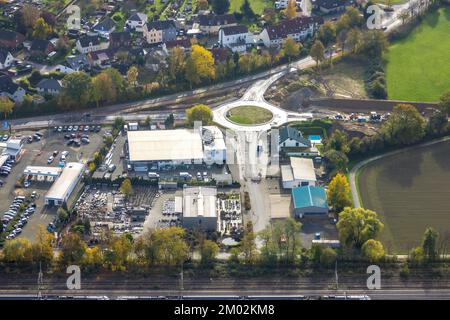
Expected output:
(153, 175)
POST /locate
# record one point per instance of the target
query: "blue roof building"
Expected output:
(309, 200)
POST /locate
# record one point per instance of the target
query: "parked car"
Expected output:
(50, 159)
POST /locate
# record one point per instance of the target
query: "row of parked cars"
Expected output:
(35, 137)
(75, 128)
(11, 214)
(76, 139)
(6, 168)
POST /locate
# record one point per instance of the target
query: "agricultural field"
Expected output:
(410, 191)
(249, 115)
(418, 67)
(258, 6)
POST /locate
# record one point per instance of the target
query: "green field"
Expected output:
(411, 192)
(249, 115)
(258, 6)
(418, 67)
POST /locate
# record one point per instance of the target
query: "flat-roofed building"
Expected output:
(199, 208)
(299, 173)
(40, 171)
(159, 149)
(63, 187)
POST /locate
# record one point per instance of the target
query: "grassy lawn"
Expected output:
(249, 115)
(418, 67)
(258, 6)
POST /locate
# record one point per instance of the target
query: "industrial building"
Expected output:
(199, 208)
(64, 185)
(161, 149)
(11, 148)
(309, 200)
(299, 173)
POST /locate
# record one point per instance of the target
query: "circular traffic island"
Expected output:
(249, 115)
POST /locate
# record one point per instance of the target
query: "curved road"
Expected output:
(359, 165)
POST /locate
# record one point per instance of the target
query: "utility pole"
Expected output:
(336, 274)
(40, 282)
(181, 279)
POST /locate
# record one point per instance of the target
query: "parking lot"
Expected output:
(37, 152)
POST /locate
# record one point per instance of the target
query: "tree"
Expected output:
(6, 106)
(405, 125)
(291, 9)
(126, 188)
(337, 160)
(165, 246)
(327, 33)
(338, 141)
(18, 251)
(201, 5)
(30, 14)
(317, 52)
(62, 214)
(248, 244)
(354, 39)
(42, 247)
(199, 66)
(338, 193)
(438, 123)
(119, 251)
(374, 43)
(176, 64)
(417, 255)
(119, 123)
(41, 29)
(199, 112)
(357, 225)
(403, 15)
(170, 121)
(208, 251)
(247, 10)
(444, 102)
(323, 256)
(220, 6)
(93, 256)
(354, 17)
(429, 244)
(291, 48)
(103, 88)
(373, 250)
(73, 249)
(77, 89)
(132, 76)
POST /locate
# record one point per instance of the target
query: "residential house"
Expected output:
(282, 4)
(41, 48)
(298, 29)
(119, 40)
(6, 59)
(105, 27)
(100, 58)
(309, 201)
(88, 44)
(10, 89)
(211, 23)
(185, 44)
(234, 37)
(11, 39)
(160, 31)
(78, 63)
(291, 137)
(137, 21)
(49, 87)
(331, 6)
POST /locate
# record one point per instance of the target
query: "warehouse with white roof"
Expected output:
(158, 149)
(299, 173)
(64, 185)
(199, 208)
